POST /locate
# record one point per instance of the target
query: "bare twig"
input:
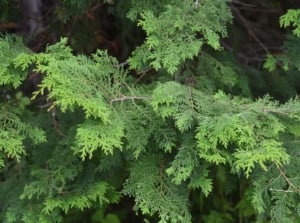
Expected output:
(290, 183)
(250, 31)
(95, 7)
(280, 190)
(142, 74)
(56, 123)
(125, 98)
(266, 110)
(47, 105)
(242, 3)
(226, 46)
(123, 63)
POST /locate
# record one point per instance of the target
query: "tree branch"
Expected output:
(250, 31)
(290, 183)
(125, 98)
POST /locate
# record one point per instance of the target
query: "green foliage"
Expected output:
(291, 18)
(174, 144)
(153, 192)
(107, 137)
(231, 127)
(14, 132)
(14, 129)
(290, 59)
(10, 48)
(176, 29)
(83, 199)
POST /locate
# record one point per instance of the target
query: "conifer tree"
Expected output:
(176, 128)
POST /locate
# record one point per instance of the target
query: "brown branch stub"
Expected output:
(9, 25)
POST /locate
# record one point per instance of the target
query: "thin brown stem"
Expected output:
(290, 183)
(249, 30)
(125, 98)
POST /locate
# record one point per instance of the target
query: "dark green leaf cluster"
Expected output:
(154, 192)
(10, 48)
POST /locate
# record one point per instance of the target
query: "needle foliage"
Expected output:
(190, 133)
